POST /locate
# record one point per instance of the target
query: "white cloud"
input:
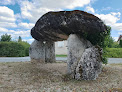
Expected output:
(106, 8)
(7, 18)
(90, 9)
(118, 14)
(6, 12)
(18, 17)
(29, 40)
(120, 33)
(7, 2)
(35, 9)
(3, 30)
(60, 4)
(108, 18)
(15, 34)
(112, 20)
(26, 25)
(117, 26)
(115, 38)
(7, 25)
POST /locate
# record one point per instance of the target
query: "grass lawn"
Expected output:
(61, 55)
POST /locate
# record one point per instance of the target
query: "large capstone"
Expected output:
(90, 64)
(76, 47)
(57, 26)
(42, 52)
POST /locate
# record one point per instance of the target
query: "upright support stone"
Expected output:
(41, 52)
(90, 64)
(76, 47)
(37, 52)
(49, 52)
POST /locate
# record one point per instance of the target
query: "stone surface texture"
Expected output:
(37, 51)
(76, 46)
(57, 26)
(41, 52)
(90, 64)
(83, 31)
(49, 52)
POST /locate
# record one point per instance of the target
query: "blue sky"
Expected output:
(17, 17)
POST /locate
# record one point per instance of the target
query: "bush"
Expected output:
(115, 45)
(26, 47)
(14, 49)
(120, 43)
(113, 53)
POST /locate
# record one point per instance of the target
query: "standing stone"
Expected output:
(49, 52)
(76, 47)
(89, 66)
(37, 52)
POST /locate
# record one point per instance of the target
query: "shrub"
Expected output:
(14, 49)
(120, 43)
(113, 53)
(26, 47)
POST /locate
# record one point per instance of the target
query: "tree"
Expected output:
(115, 45)
(120, 43)
(111, 42)
(6, 38)
(19, 39)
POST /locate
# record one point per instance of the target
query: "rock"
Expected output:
(84, 31)
(37, 52)
(76, 47)
(57, 26)
(90, 64)
(49, 52)
(41, 52)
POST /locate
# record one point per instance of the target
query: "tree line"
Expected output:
(9, 48)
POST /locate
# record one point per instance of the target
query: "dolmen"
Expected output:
(84, 33)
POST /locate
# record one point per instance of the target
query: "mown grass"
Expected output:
(113, 53)
(61, 55)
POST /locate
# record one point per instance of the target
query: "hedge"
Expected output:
(13, 49)
(113, 53)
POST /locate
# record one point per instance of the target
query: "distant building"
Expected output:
(120, 38)
(61, 48)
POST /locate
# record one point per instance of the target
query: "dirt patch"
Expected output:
(27, 77)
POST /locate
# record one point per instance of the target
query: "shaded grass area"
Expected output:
(113, 53)
(51, 77)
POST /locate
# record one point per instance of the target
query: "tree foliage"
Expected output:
(10, 48)
(120, 43)
(6, 38)
(19, 39)
(107, 42)
(14, 49)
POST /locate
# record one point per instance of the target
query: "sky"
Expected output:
(17, 17)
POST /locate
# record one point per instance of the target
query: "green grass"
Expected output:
(61, 55)
(110, 53)
(113, 53)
